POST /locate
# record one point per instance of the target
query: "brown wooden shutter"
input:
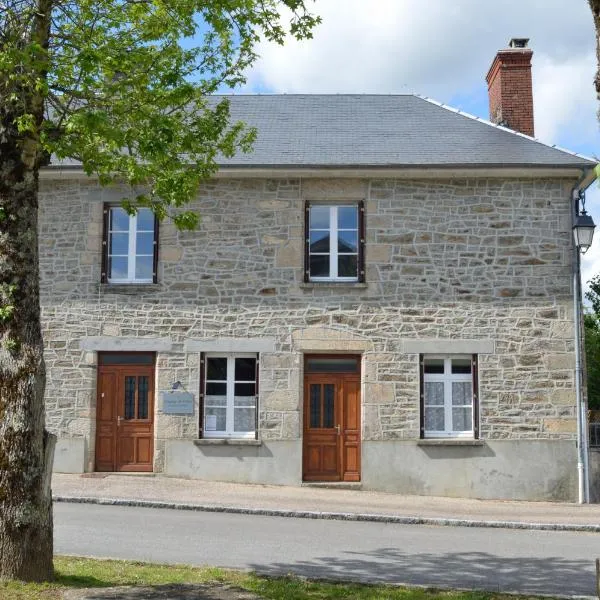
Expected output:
(306, 242)
(474, 367)
(104, 259)
(201, 395)
(422, 396)
(256, 399)
(361, 242)
(155, 259)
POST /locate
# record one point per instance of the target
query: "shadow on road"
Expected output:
(478, 570)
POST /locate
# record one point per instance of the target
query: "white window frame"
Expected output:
(333, 241)
(131, 250)
(447, 378)
(230, 393)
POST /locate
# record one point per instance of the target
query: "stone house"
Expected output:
(379, 295)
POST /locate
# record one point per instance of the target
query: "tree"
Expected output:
(595, 6)
(122, 86)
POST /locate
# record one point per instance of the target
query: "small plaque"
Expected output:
(177, 403)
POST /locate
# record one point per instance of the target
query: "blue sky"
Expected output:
(443, 50)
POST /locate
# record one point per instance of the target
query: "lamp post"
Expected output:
(583, 233)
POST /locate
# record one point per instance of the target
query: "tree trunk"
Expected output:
(25, 449)
(595, 6)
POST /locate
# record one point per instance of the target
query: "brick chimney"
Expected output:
(510, 89)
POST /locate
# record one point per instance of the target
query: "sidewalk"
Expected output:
(309, 502)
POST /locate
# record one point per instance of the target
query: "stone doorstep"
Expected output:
(333, 485)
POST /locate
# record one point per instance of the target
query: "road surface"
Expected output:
(492, 559)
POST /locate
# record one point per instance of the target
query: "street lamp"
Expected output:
(583, 233)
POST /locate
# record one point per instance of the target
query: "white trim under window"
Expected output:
(230, 398)
(329, 231)
(449, 395)
(131, 241)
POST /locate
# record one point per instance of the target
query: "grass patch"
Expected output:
(73, 572)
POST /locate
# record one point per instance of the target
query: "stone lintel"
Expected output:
(103, 343)
(448, 346)
(263, 344)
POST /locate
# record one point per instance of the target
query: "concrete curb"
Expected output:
(338, 516)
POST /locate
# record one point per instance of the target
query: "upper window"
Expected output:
(334, 242)
(130, 246)
(449, 396)
(230, 395)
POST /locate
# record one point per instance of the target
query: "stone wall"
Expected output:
(480, 260)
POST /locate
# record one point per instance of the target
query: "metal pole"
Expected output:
(578, 394)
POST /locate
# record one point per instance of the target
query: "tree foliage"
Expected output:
(592, 344)
(123, 87)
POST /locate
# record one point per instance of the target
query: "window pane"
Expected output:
(129, 397)
(347, 217)
(319, 241)
(319, 265)
(244, 401)
(461, 365)
(461, 393)
(461, 419)
(215, 419)
(216, 389)
(348, 241)
(328, 412)
(434, 365)
(347, 265)
(245, 389)
(145, 220)
(142, 397)
(434, 393)
(119, 243)
(332, 365)
(319, 217)
(119, 219)
(315, 405)
(215, 400)
(143, 267)
(117, 267)
(216, 369)
(245, 369)
(144, 243)
(243, 419)
(434, 418)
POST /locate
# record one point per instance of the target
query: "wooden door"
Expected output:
(331, 449)
(125, 417)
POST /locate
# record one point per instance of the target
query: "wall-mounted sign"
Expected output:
(177, 403)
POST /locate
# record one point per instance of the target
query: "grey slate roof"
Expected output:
(356, 130)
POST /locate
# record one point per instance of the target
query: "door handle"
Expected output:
(119, 419)
(338, 429)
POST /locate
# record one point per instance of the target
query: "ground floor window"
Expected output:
(449, 396)
(229, 390)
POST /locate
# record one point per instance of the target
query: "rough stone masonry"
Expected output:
(484, 262)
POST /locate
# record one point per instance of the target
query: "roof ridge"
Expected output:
(502, 128)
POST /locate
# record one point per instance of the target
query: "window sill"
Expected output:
(126, 288)
(450, 442)
(313, 285)
(226, 442)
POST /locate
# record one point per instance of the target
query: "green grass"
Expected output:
(72, 572)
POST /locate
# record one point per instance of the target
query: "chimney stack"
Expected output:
(510, 88)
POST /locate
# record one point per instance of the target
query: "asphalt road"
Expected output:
(493, 559)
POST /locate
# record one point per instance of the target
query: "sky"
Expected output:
(443, 49)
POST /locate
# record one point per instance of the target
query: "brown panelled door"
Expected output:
(331, 418)
(125, 412)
